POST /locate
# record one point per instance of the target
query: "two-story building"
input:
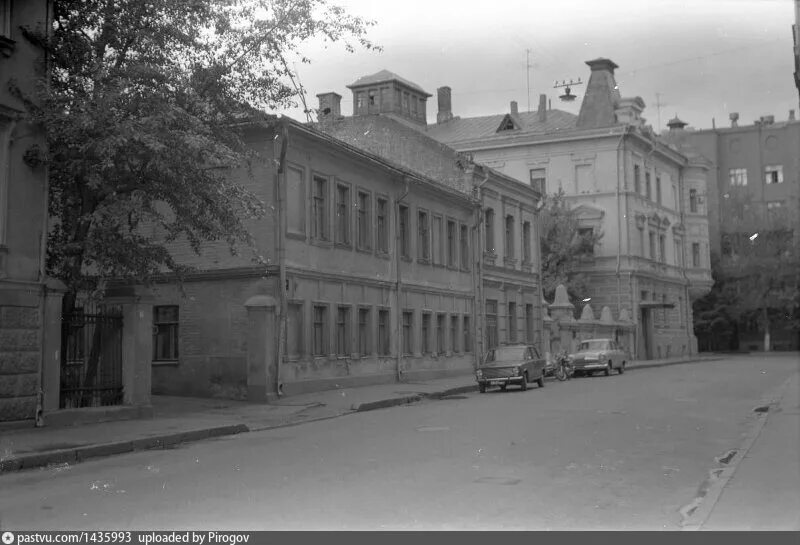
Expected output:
(390, 119)
(623, 181)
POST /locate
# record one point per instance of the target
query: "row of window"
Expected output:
(657, 246)
(648, 189)
(773, 174)
(509, 236)
(512, 324)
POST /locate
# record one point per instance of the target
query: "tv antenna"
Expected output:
(567, 96)
(659, 104)
(528, 74)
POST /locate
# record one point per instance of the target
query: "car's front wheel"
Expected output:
(524, 384)
(540, 380)
(621, 368)
(609, 368)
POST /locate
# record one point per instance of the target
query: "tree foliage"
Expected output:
(140, 109)
(565, 249)
(757, 276)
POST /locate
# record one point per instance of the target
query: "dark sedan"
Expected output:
(512, 364)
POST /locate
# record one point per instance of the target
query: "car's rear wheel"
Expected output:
(524, 384)
(503, 387)
(621, 368)
(609, 368)
(482, 388)
(540, 380)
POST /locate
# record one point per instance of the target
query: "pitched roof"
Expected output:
(485, 127)
(385, 76)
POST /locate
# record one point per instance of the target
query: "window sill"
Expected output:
(343, 245)
(321, 243)
(165, 363)
(367, 251)
(296, 236)
(423, 261)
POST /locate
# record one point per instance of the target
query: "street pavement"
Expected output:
(629, 451)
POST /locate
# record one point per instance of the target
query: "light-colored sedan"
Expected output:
(595, 355)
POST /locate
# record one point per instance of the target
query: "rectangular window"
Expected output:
(342, 214)
(453, 334)
(319, 205)
(637, 179)
(165, 333)
(586, 240)
(491, 323)
(773, 174)
(658, 189)
(464, 251)
(423, 237)
(451, 244)
(426, 333)
(648, 192)
(653, 253)
(467, 334)
(294, 330)
(382, 221)
(662, 248)
(529, 337)
(737, 176)
(678, 253)
(384, 339)
(320, 330)
(295, 201)
(693, 200)
(695, 254)
(363, 332)
(526, 242)
(489, 220)
(509, 237)
(343, 331)
(583, 178)
(436, 231)
(363, 226)
(512, 322)
(408, 332)
(440, 318)
(405, 243)
(538, 179)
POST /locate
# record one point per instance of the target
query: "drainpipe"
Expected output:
(620, 149)
(279, 157)
(479, 311)
(399, 285)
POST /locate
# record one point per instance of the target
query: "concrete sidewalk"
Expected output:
(180, 419)
(763, 491)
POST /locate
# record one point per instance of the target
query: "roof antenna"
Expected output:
(528, 74)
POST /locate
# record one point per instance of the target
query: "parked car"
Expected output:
(595, 355)
(511, 364)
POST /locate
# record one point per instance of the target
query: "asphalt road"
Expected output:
(621, 452)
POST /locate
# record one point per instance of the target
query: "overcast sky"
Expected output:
(701, 59)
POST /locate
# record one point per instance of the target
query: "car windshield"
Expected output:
(507, 353)
(593, 345)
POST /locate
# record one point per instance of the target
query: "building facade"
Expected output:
(753, 187)
(28, 331)
(370, 266)
(623, 181)
(389, 119)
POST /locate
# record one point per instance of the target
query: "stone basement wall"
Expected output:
(20, 357)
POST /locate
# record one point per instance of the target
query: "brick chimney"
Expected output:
(542, 111)
(734, 119)
(445, 112)
(330, 106)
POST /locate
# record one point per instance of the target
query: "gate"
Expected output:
(91, 356)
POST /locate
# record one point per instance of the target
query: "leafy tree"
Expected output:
(757, 277)
(565, 249)
(140, 109)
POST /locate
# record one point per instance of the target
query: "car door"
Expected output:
(538, 362)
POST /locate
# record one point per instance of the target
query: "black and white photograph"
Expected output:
(273, 266)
